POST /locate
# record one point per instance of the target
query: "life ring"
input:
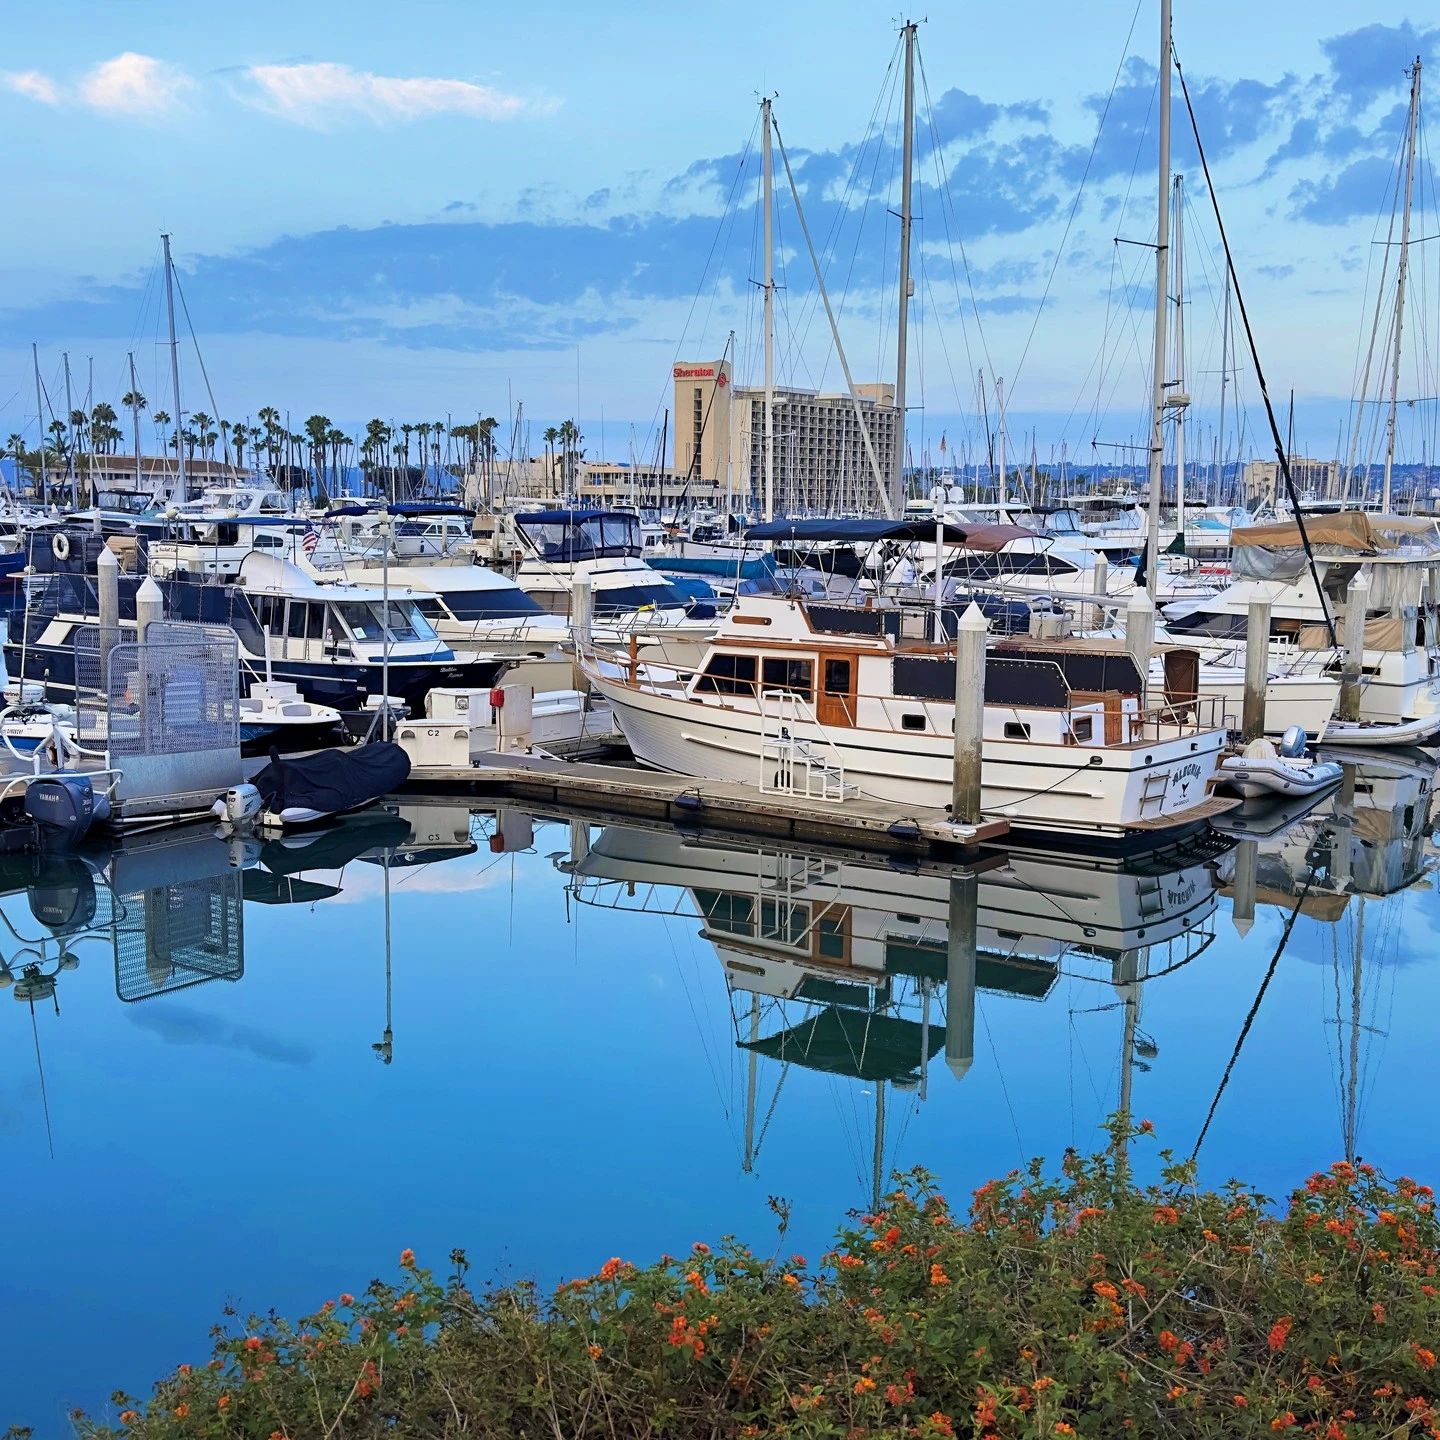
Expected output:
(60, 545)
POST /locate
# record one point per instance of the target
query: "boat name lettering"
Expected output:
(1185, 774)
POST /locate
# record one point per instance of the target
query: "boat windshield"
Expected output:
(366, 621)
(556, 535)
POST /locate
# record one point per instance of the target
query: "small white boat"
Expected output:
(276, 707)
(1263, 770)
(1370, 732)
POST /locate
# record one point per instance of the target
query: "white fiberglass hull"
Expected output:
(1059, 788)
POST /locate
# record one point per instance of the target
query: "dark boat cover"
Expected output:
(333, 781)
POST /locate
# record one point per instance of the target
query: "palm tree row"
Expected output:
(398, 460)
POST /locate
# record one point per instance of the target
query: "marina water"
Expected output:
(584, 1041)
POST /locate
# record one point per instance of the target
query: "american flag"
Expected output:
(309, 540)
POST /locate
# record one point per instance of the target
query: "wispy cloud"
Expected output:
(33, 85)
(319, 94)
(128, 84)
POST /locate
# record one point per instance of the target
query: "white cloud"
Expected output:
(127, 84)
(318, 93)
(132, 84)
(33, 85)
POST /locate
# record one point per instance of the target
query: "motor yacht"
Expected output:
(834, 702)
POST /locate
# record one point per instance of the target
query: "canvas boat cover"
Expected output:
(333, 781)
(1346, 529)
(858, 532)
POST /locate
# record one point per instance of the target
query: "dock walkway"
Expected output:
(722, 804)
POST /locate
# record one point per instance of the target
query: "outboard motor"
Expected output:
(62, 895)
(65, 807)
(1293, 742)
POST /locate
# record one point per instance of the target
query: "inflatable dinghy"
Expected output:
(1261, 769)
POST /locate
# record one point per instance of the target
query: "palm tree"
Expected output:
(269, 417)
(550, 436)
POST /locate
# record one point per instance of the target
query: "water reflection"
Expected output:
(572, 1019)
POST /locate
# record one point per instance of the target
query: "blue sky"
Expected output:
(439, 208)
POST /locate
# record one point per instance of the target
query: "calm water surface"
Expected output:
(585, 1041)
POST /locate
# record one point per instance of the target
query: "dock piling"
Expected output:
(582, 610)
(1357, 601)
(960, 972)
(1257, 670)
(1100, 588)
(1140, 631)
(1242, 903)
(107, 580)
(969, 716)
(149, 607)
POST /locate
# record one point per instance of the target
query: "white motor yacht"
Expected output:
(831, 702)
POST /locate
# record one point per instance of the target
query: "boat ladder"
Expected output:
(791, 764)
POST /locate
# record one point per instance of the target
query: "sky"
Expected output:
(451, 209)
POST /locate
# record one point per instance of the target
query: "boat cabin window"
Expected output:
(728, 675)
(837, 677)
(658, 594)
(366, 620)
(1082, 727)
(306, 620)
(1016, 730)
(269, 612)
(497, 604)
(912, 722)
(796, 676)
(268, 540)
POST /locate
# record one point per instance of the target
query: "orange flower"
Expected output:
(863, 1384)
(1166, 1215)
(253, 1343)
(1210, 1235)
(1133, 1287)
(407, 1258)
(1169, 1341)
(943, 1423)
(938, 1276)
(1061, 1428)
(791, 1279)
(347, 1299)
(1241, 1401)
(850, 1262)
(1314, 1279)
(1283, 1422)
(1105, 1288)
(1378, 1311)
(1334, 1431)
(1175, 1392)
(611, 1268)
(1424, 1358)
(894, 1395)
(181, 1410)
(1146, 1128)
(1279, 1332)
(595, 1351)
(129, 1417)
(696, 1282)
(701, 1248)
(223, 1402)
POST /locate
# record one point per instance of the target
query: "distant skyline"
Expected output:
(444, 210)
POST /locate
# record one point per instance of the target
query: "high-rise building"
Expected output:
(821, 460)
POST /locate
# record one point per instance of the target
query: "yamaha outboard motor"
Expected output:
(65, 807)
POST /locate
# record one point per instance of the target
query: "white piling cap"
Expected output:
(973, 618)
(1360, 582)
(109, 559)
(149, 590)
(959, 1065)
(1140, 600)
(1242, 923)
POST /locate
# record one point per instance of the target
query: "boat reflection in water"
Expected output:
(1368, 839)
(859, 969)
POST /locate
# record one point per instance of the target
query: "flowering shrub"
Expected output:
(1080, 1305)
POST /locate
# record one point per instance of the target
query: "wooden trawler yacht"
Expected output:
(1399, 558)
(833, 702)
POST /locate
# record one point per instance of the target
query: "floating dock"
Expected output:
(618, 791)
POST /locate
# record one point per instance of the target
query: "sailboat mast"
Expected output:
(175, 371)
(1162, 277)
(1224, 383)
(40, 420)
(906, 284)
(70, 429)
(1411, 134)
(1003, 492)
(767, 171)
(1180, 400)
(135, 417)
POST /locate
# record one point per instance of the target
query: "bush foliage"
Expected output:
(1079, 1304)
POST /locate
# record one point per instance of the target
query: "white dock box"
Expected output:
(472, 707)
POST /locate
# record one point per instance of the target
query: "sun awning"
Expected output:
(869, 532)
(1349, 529)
